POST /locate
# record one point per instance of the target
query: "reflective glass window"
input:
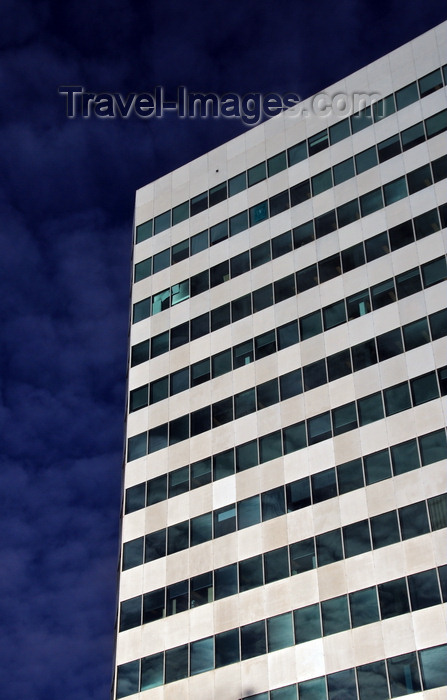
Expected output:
(377, 466)
(201, 589)
(341, 685)
(302, 556)
(227, 649)
(350, 476)
(397, 398)
(385, 529)
(298, 494)
(329, 547)
(404, 457)
(253, 642)
(434, 666)
(237, 184)
(343, 171)
(276, 565)
(177, 598)
(307, 623)
(424, 589)
(201, 529)
(356, 538)
(407, 95)
(413, 520)
(152, 671)
(335, 615)
(176, 663)
(280, 632)
(377, 246)
(403, 674)
(224, 520)
(200, 473)
(128, 679)
(324, 485)
(393, 598)
(366, 160)
(225, 582)
(370, 408)
(201, 656)
(314, 689)
(364, 607)
(130, 613)
(248, 512)
(273, 503)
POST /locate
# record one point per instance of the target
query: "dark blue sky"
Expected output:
(66, 200)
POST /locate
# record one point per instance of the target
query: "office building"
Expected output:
(284, 507)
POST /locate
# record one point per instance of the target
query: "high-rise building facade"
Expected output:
(284, 507)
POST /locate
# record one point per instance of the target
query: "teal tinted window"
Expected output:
(366, 160)
(217, 194)
(223, 463)
(179, 252)
(143, 269)
(132, 553)
(430, 83)
(141, 310)
(200, 473)
(433, 447)
(302, 556)
(356, 538)
(361, 120)
(389, 148)
(227, 648)
(303, 234)
(270, 447)
(130, 613)
(277, 163)
(437, 507)
(276, 565)
(199, 242)
(176, 663)
(426, 223)
(256, 174)
(405, 457)
(180, 213)
(413, 520)
(364, 607)
(162, 222)
(307, 623)
(294, 437)
(128, 679)
(385, 529)
(135, 498)
(370, 409)
(137, 446)
(393, 598)
(297, 153)
(318, 142)
(238, 223)
(383, 108)
(225, 584)
(314, 689)
(237, 184)
(288, 692)
(280, 632)
(153, 606)
(324, 485)
(339, 131)
(424, 388)
(201, 529)
(178, 537)
(434, 272)
(138, 398)
(248, 512)
(152, 671)
(343, 171)
(372, 681)
(161, 301)
(395, 190)
(258, 213)
(377, 246)
(319, 428)
(246, 455)
(436, 124)
(224, 520)
(298, 494)
(329, 547)
(370, 202)
(253, 642)
(412, 136)
(144, 231)
(424, 589)
(201, 656)
(397, 398)
(419, 179)
(434, 667)
(403, 674)
(342, 685)
(377, 466)
(310, 325)
(350, 476)
(157, 490)
(348, 213)
(221, 363)
(199, 203)
(139, 353)
(201, 589)
(335, 615)
(321, 182)
(407, 95)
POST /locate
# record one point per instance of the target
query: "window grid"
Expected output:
(326, 223)
(296, 153)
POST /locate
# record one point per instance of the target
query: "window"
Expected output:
(152, 671)
(335, 615)
(403, 674)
